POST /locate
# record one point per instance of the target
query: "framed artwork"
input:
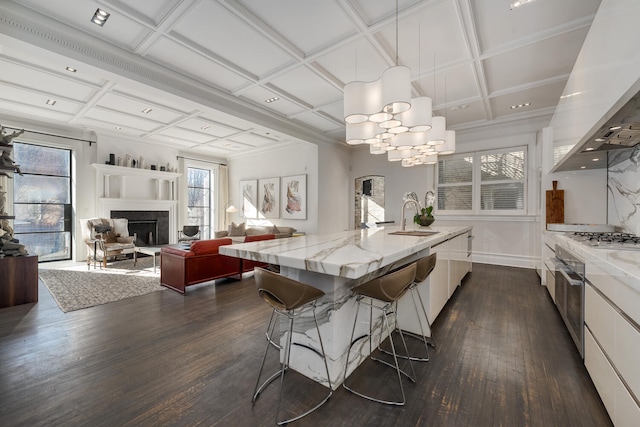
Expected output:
(249, 197)
(294, 197)
(269, 198)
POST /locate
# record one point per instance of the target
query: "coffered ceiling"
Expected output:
(206, 67)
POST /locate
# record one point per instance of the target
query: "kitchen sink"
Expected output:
(419, 233)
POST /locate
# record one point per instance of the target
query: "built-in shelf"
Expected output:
(120, 182)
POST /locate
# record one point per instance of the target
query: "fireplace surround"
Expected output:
(151, 227)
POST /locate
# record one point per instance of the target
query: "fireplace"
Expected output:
(151, 227)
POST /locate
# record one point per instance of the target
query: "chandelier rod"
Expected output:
(396, 33)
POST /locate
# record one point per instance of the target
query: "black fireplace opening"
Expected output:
(150, 227)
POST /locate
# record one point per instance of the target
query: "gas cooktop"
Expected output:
(624, 241)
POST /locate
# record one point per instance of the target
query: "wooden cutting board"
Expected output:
(555, 205)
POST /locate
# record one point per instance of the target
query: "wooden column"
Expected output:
(18, 280)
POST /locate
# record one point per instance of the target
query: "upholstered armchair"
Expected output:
(106, 237)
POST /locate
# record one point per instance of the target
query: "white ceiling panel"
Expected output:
(308, 87)
(154, 10)
(44, 80)
(253, 139)
(308, 24)
(315, 120)
(37, 99)
(195, 64)
(451, 85)
(354, 61)
(425, 33)
(465, 113)
(540, 97)
(499, 26)
(259, 95)
(373, 11)
(109, 127)
(208, 127)
(534, 62)
(211, 26)
(28, 110)
(121, 119)
(186, 135)
(134, 106)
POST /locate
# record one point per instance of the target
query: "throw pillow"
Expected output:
(236, 230)
(109, 237)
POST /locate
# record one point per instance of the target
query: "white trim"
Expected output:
(506, 260)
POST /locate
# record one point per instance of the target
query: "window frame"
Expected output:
(206, 230)
(476, 184)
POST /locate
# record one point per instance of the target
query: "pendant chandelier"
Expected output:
(383, 114)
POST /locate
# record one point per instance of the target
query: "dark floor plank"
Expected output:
(503, 359)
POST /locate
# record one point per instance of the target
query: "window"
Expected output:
(484, 182)
(42, 201)
(199, 199)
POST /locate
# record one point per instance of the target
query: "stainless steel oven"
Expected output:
(569, 292)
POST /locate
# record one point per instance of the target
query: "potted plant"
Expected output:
(425, 218)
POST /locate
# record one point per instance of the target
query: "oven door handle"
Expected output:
(566, 273)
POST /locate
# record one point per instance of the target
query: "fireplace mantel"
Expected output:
(120, 188)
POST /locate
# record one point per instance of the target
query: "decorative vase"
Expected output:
(426, 220)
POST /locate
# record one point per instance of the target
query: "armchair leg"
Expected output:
(104, 261)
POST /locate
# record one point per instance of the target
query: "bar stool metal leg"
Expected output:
(290, 314)
(395, 365)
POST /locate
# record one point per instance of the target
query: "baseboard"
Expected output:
(506, 260)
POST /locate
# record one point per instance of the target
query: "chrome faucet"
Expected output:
(403, 221)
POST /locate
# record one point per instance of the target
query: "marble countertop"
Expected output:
(622, 264)
(350, 254)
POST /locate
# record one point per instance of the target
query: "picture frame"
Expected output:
(268, 202)
(294, 197)
(248, 198)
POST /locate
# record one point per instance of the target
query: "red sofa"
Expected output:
(201, 262)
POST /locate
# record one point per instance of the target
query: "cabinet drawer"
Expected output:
(623, 295)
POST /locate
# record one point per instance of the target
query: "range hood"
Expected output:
(620, 131)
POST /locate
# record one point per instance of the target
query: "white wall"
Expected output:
(295, 159)
(334, 198)
(504, 240)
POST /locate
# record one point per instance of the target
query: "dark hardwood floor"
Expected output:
(503, 358)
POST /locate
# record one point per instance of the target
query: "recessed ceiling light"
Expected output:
(526, 104)
(594, 160)
(589, 149)
(118, 128)
(71, 69)
(51, 102)
(615, 127)
(205, 127)
(270, 100)
(583, 167)
(147, 110)
(100, 17)
(519, 3)
(600, 140)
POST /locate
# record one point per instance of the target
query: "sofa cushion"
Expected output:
(121, 226)
(206, 247)
(256, 230)
(236, 230)
(259, 237)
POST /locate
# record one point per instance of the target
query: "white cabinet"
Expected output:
(612, 344)
(439, 280)
(549, 269)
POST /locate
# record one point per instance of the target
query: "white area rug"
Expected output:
(75, 288)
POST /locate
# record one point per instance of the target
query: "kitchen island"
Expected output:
(337, 262)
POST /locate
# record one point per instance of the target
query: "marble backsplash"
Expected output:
(623, 188)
